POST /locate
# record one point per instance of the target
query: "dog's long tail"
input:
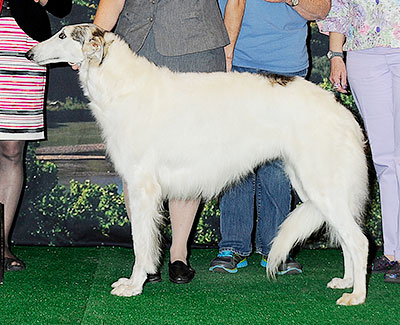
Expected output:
(298, 226)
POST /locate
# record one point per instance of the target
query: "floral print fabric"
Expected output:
(365, 23)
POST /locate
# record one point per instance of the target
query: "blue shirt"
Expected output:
(272, 38)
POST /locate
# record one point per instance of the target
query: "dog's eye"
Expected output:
(62, 35)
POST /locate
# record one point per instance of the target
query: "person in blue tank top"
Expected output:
(267, 37)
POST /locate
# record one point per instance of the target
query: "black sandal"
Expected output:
(13, 264)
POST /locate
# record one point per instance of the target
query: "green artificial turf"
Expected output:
(72, 286)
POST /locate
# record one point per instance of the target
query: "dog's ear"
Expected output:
(96, 48)
(93, 48)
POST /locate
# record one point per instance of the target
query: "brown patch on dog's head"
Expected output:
(93, 43)
(79, 34)
(276, 79)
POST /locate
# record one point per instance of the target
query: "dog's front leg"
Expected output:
(144, 198)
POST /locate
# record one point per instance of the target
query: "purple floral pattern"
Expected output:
(365, 23)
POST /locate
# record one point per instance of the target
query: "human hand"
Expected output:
(74, 66)
(228, 57)
(338, 75)
(42, 2)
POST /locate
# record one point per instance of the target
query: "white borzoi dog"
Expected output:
(189, 135)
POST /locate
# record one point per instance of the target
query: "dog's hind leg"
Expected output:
(298, 226)
(355, 250)
(348, 279)
(144, 201)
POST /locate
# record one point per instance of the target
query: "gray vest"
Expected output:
(179, 26)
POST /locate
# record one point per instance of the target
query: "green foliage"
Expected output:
(56, 214)
(87, 8)
(345, 99)
(69, 104)
(373, 216)
(83, 207)
(39, 175)
(320, 69)
(103, 205)
(86, 3)
(207, 231)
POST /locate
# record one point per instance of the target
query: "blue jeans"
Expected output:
(266, 192)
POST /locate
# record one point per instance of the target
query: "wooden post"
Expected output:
(2, 244)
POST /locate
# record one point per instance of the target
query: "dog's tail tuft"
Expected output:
(298, 226)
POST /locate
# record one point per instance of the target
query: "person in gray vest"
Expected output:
(185, 36)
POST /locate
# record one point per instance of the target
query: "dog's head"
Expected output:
(73, 44)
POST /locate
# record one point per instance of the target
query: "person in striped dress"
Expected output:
(22, 86)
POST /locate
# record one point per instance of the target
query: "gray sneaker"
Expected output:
(290, 266)
(228, 261)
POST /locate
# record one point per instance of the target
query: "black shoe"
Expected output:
(180, 273)
(152, 278)
(13, 264)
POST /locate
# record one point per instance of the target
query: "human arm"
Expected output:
(234, 10)
(310, 9)
(338, 75)
(58, 8)
(108, 12)
(337, 25)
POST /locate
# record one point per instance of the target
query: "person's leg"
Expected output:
(272, 202)
(372, 85)
(237, 217)
(393, 275)
(393, 59)
(236, 226)
(11, 181)
(182, 214)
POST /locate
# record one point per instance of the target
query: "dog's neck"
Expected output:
(97, 76)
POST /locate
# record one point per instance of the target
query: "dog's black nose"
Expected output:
(29, 55)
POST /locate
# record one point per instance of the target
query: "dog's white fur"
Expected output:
(189, 135)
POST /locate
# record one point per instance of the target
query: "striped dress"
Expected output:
(22, 86)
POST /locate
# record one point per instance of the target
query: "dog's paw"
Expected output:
(337, 283)
(350, 299)
(127, 290)
(120, 282)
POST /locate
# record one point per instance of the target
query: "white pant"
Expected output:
(374, 77)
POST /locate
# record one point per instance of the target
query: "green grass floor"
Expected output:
(72, 286)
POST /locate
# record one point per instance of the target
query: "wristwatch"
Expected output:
(332, 54)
